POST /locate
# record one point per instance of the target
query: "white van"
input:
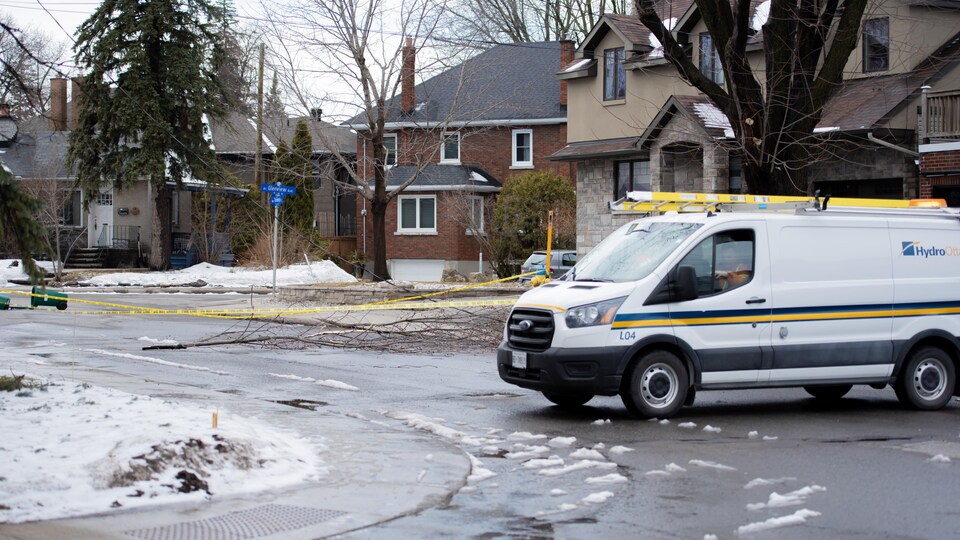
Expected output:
(672, 304)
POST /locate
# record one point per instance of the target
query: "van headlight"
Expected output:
(593, 314)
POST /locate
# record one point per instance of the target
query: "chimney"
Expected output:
(58, 104)
(76, 100)
(566, 58)
(316, 113)
(408, 98)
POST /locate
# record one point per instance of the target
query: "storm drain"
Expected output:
(251, 523)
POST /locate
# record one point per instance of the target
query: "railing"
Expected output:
(941, 111)
(119, 236)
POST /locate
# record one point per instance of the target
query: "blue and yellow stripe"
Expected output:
(799, 314)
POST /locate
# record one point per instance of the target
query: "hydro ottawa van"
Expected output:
(746, 293)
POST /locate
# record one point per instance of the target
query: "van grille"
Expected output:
(537, 336)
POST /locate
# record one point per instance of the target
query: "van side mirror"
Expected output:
(685, 284)
(679, 285)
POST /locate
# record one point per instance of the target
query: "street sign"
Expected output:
(277, 188)
(276, 199)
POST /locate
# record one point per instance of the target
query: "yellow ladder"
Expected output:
(666, 201)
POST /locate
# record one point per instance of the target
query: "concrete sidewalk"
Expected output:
(376, 474)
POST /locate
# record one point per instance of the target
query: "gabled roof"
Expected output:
(508, 82)
(632, 32)
(236, 133)
(436, 177)
(38, 154)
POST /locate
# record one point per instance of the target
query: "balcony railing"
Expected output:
(119, 236)
(941, 115)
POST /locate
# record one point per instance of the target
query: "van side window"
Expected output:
(723, 261)
(569, 259)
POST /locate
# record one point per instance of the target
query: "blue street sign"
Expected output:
(275, 188)
(276, 199)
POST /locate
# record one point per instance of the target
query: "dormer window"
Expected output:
(710, 59)
(450, 147)
(614, 75)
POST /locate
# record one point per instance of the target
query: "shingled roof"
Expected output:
(503, 83)
(435, 177)
(236, 133)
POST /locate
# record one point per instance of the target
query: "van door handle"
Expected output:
(756, 300)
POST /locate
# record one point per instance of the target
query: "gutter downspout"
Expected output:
(891, 146)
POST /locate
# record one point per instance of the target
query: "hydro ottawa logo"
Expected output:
(914, 249)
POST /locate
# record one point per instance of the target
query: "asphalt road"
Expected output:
(860, 468)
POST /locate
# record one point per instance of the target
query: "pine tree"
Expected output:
(18, 225)
(150, 77)
(301, 213)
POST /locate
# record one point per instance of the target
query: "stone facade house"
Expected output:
(636, 125)
(463, 134)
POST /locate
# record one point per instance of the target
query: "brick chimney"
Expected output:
(76, 100)
(408, 97)
(566, 58)
(58, 104)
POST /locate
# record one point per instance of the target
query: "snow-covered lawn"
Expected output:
(72, 449)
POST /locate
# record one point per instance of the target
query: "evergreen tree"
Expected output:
(19, 226)
(301, 168)
(150, 77)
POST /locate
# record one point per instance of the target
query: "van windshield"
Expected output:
(632, 252)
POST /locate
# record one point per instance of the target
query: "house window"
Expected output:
(104, 199)
(70, 212)
(736, 175)
(876, 45)
(450, 147)
(632, 176)
(522, 148)
(417, 214)
(710, 59)
(390, 145)
(614, 76)
(476, 214)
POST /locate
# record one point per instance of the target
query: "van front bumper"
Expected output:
(593, 371)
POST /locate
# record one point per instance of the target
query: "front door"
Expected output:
(728, 325)
(99, 232)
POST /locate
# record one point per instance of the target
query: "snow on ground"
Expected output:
(211, 275)
(794, 498)
(74, 449)
(797, 518)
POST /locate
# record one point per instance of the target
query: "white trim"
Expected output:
(827, 373)
(416, 230)
(479, 200)
(463, 124)
(726, 377)
(513, 149)
(444, 160)
(939, 147)
(396, 149)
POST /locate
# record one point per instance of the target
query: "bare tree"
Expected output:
(773, 112)
(29, 59)
(362, 45)
(522, 21)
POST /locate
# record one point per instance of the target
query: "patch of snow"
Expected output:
(600, 422)
(753, 435)
(710, 429)
(664, 422)
(221, 276)
(797, 518)
(81, 448)
(711, 465)
(612, 478)
(329, 382)
(769, 438)
(541, 463)
(12, 269)
(620, 450)
(710, 537)
(597, 498)
(794, 498)
(578, 466)
(757, 482)
(477, 471)
(586, 453)
(525, 436)
(657, 51)
(566, 507)
(155, 361)
(673, 467)
(760, 16)
(477, 177)
(940, 458)
(657, 473)
(528, 452)
(825, 129)
(557, 492)
(687, 425)
(578, 64)
(423, 423)
(562, 442)
(713, 118)
(154, 341)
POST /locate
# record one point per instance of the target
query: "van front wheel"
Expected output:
(656, 386)
(927, 380)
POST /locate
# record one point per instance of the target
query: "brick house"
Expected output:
(636, 125)
(940, 146)
(463, 133)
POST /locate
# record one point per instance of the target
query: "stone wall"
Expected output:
(594, 194)
(864, 161)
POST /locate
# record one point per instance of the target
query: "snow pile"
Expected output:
(12, 269)
(220, 276)
(81, 449)
(797, 518)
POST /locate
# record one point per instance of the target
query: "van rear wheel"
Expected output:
(830, 392)
(927, 380)
(568, 401)
(656, 386)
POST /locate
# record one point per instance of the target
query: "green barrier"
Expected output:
(43, 297)
(4, 302)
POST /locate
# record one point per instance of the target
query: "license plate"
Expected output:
(519, 360)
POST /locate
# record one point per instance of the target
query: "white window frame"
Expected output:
(474, 202)
(417, 229)
(389, 153)
(443, 147)
(514, 146)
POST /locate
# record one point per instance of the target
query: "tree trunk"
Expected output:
(378, 209)
(161, 239)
